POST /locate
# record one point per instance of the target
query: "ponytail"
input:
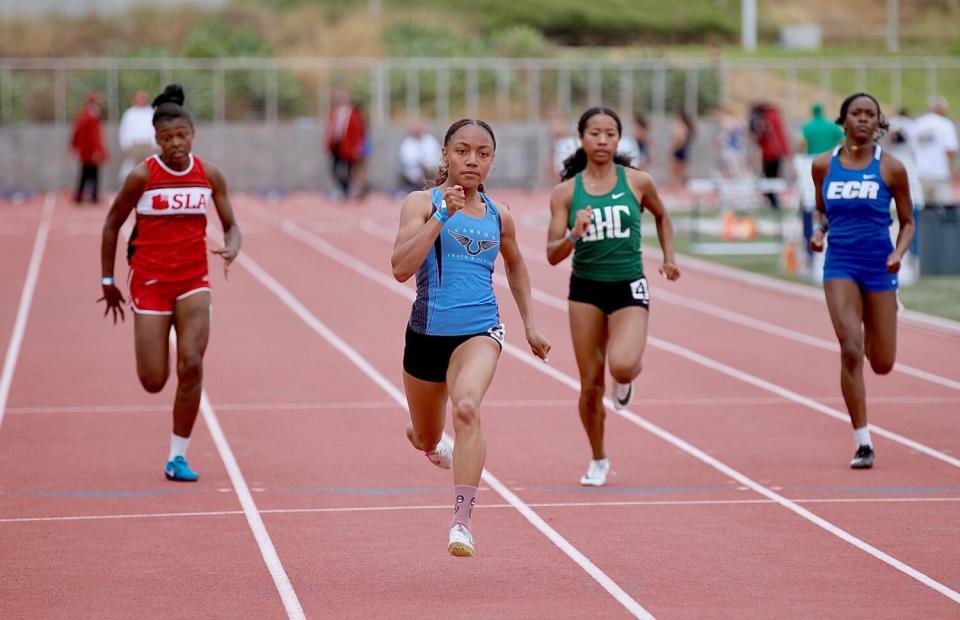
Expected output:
(574, 165)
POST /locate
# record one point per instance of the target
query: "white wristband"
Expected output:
(107, 281)
(572, 238)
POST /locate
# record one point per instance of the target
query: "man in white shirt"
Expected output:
(136, 134)
(419, 156)
(935, 147)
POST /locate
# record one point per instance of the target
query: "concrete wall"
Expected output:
(290, 156)
(77, 8)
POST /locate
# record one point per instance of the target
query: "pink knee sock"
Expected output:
(466, 499)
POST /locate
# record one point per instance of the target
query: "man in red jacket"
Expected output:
(87, 143)
(345, 139)
(768, 129)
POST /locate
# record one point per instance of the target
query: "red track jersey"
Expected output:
(169, 242)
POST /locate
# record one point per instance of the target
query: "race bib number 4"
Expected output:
(639, 290)
(497, 333)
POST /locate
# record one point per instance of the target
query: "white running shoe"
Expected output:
(442, 455)
(622, 395)
(597, 472)
(461, 541)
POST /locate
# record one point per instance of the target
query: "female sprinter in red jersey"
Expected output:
(595, 214)
(450, 237)
(167, 252)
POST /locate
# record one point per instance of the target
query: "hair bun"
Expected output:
(173, 93)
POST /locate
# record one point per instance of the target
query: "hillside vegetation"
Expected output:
(343, 28)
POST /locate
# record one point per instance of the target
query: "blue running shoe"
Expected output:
(178, 470)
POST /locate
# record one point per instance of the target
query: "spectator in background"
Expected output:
(683, 131)
(419, 157)
(136, 134)
(345, 140)
(732, 141)
(899, 145)
(819, 136)
(636, 146)
(935, 147)
(87, 143)
(767, 128)
(564, 144)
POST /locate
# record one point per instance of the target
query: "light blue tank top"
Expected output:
(455, 282)
(858, 208)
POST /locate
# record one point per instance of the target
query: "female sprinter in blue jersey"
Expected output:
(855, 184)
(449, 237)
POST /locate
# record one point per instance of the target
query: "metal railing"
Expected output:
(436, 90)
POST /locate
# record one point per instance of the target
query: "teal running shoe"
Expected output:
(178, 470)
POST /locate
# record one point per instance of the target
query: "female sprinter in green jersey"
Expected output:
(595, 213)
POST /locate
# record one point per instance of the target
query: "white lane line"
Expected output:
(624, 504)
(916, 319)
(288, 596)
(560, 304)
(362, 268)
(493, 403)
(291, 603)
(397, 395)
(146, 515)
(376, 230)
(789, 334)
(800, 399)
(301, 406)
(26, 300)
(738, 318)
(763, 384)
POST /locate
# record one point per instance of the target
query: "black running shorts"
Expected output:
(610, 296)
(426, 357)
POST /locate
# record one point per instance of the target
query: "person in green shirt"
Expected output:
(595, 214)
(819, 136)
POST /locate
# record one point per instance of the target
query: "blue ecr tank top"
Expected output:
(858, 208)
(455, 282)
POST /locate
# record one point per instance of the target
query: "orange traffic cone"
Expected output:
(729, 230)
(789, 257)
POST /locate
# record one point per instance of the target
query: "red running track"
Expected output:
(737, 504)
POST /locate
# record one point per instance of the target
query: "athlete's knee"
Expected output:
(591, 390)
(420, 440)
(625, 370)
(881, 365)
(189, 368)
(851, 351)
(466, 412)
(152, 382)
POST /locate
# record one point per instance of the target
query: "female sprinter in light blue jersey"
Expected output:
(449, 237)
(855, 184)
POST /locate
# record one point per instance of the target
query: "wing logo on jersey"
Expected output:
(160, 202)
(849, 190)
(482, 246)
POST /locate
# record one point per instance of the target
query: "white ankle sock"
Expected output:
(862, 436)
(178, 446)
